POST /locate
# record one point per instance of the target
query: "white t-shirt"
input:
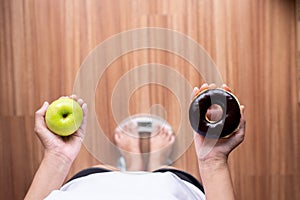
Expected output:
(129, 185)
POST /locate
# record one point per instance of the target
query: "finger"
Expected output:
(172, 139)
(73, 96)
(195, 92)
(85, 115)
(243, 121)
(41, 112)
(225, 87)
(243, 109)
(214, 113)
(82, 129)
(80, 102)
(40, 124)
(242, 113)
(170, 132)
(132, 128)
(203, 87)
(124, 128)
(240, 133)
(117, 135)
(156, 130)
(118, 129)
(132, 125)
(212, 86)
(119, 132)
(239, 136)
(164, 131)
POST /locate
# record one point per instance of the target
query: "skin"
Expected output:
(60, 152)
(214, 169)
(160, 148)
(130, 148)
(161, 145)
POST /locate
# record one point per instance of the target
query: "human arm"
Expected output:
(212, 157)
(59, 154)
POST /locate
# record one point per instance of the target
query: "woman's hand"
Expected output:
(60, 152)
(66, 148)
(212, 150)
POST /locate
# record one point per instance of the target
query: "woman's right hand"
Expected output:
(66, 148)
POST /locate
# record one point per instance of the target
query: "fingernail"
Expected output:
(212, 85)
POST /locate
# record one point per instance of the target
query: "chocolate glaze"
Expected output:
(226, 125)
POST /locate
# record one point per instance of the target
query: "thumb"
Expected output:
(117, 135)
(195, 91)
(39, 117)
(40, 124)
(42, 110)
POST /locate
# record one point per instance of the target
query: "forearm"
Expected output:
(50, 176)
(216, 180)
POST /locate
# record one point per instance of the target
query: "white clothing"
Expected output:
(128, 185)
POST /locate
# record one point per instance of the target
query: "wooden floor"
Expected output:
(253, 43)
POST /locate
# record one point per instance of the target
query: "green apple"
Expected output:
(64, 116)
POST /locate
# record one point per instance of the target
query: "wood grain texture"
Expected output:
(298, 44)
(253, 43)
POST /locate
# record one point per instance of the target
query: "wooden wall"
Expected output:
(253, 43)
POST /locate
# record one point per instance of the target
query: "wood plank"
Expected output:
(253, 43)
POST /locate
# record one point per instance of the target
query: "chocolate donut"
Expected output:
(228, 123)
